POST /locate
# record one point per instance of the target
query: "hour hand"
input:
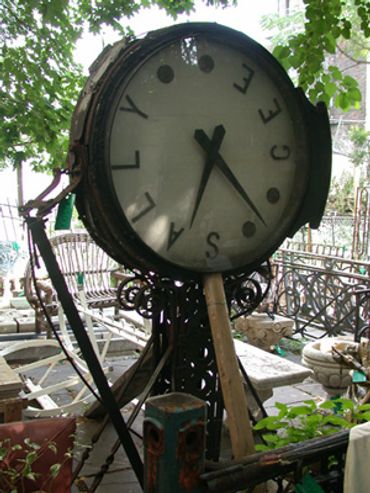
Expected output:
(212, 153)
(204, 141)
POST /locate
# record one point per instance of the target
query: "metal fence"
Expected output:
(348, 234)
(11, 225)
(334, 231)
(319, 291)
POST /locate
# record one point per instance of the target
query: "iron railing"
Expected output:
(320, 291)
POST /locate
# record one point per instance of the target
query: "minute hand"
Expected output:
(215, 143)
(205, 142)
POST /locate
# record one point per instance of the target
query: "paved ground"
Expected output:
(14, 320)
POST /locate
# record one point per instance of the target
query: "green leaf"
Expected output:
(345, 403)
(270, 438)
(311, 403)
(283, 408)
(330, 88)
(363, 407)
(299, 411)
(260, 447)
(331, 43)
(31, 475)
(342, 101)
(295, 60)
(281, 52)
(314, 420)
(3, 453)
(349, 82)
(314, 63)
(329, 404)
(365, 416)
(267, 423)
(337, 421)
(355, 95)
(326, 78)
(52, 447)
(31, 444)
(27, 469)
(31, 457)
(54, 470)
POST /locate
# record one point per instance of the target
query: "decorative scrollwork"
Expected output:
(246, 292)
(145, 294)
(149, 294)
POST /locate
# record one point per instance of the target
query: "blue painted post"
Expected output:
(174, 443)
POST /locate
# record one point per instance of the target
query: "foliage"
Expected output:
(309, 420)
(341, 198)
(39, 79)
(14, 471)
(293, 345)
(306, 43)
(360, 139)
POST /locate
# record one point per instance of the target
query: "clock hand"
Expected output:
(212, 153)
(205, 142)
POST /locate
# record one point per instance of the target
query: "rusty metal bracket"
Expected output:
(43, 206)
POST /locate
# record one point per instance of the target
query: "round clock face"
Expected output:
(206, 155)
(196, 153)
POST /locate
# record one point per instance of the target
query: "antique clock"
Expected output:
(198, 154)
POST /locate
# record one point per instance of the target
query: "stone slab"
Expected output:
(13, 320)
(19, 303)
(266, 370)
(315, 390)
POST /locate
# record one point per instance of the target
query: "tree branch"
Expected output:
(356, 61)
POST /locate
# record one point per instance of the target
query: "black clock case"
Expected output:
(96, 202)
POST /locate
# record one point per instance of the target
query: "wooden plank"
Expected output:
(45, 401)
(12, 409)
(10, 383)
(233, 392)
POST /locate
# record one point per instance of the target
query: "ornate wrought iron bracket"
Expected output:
(180, 318)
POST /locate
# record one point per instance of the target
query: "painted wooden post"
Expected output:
(174, 443)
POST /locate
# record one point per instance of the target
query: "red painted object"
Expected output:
(43, 432)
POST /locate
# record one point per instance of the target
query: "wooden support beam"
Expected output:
(233, 391)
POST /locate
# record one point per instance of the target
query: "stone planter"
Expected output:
(263, 331)
(317, 355)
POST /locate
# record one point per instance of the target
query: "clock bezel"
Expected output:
(110, 228)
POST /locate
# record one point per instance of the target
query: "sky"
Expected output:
(244, 17)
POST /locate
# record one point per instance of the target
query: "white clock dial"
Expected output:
(204, 156)
(194, 153)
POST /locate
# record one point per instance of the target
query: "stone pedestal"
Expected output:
(317, 355)
(264, 331)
